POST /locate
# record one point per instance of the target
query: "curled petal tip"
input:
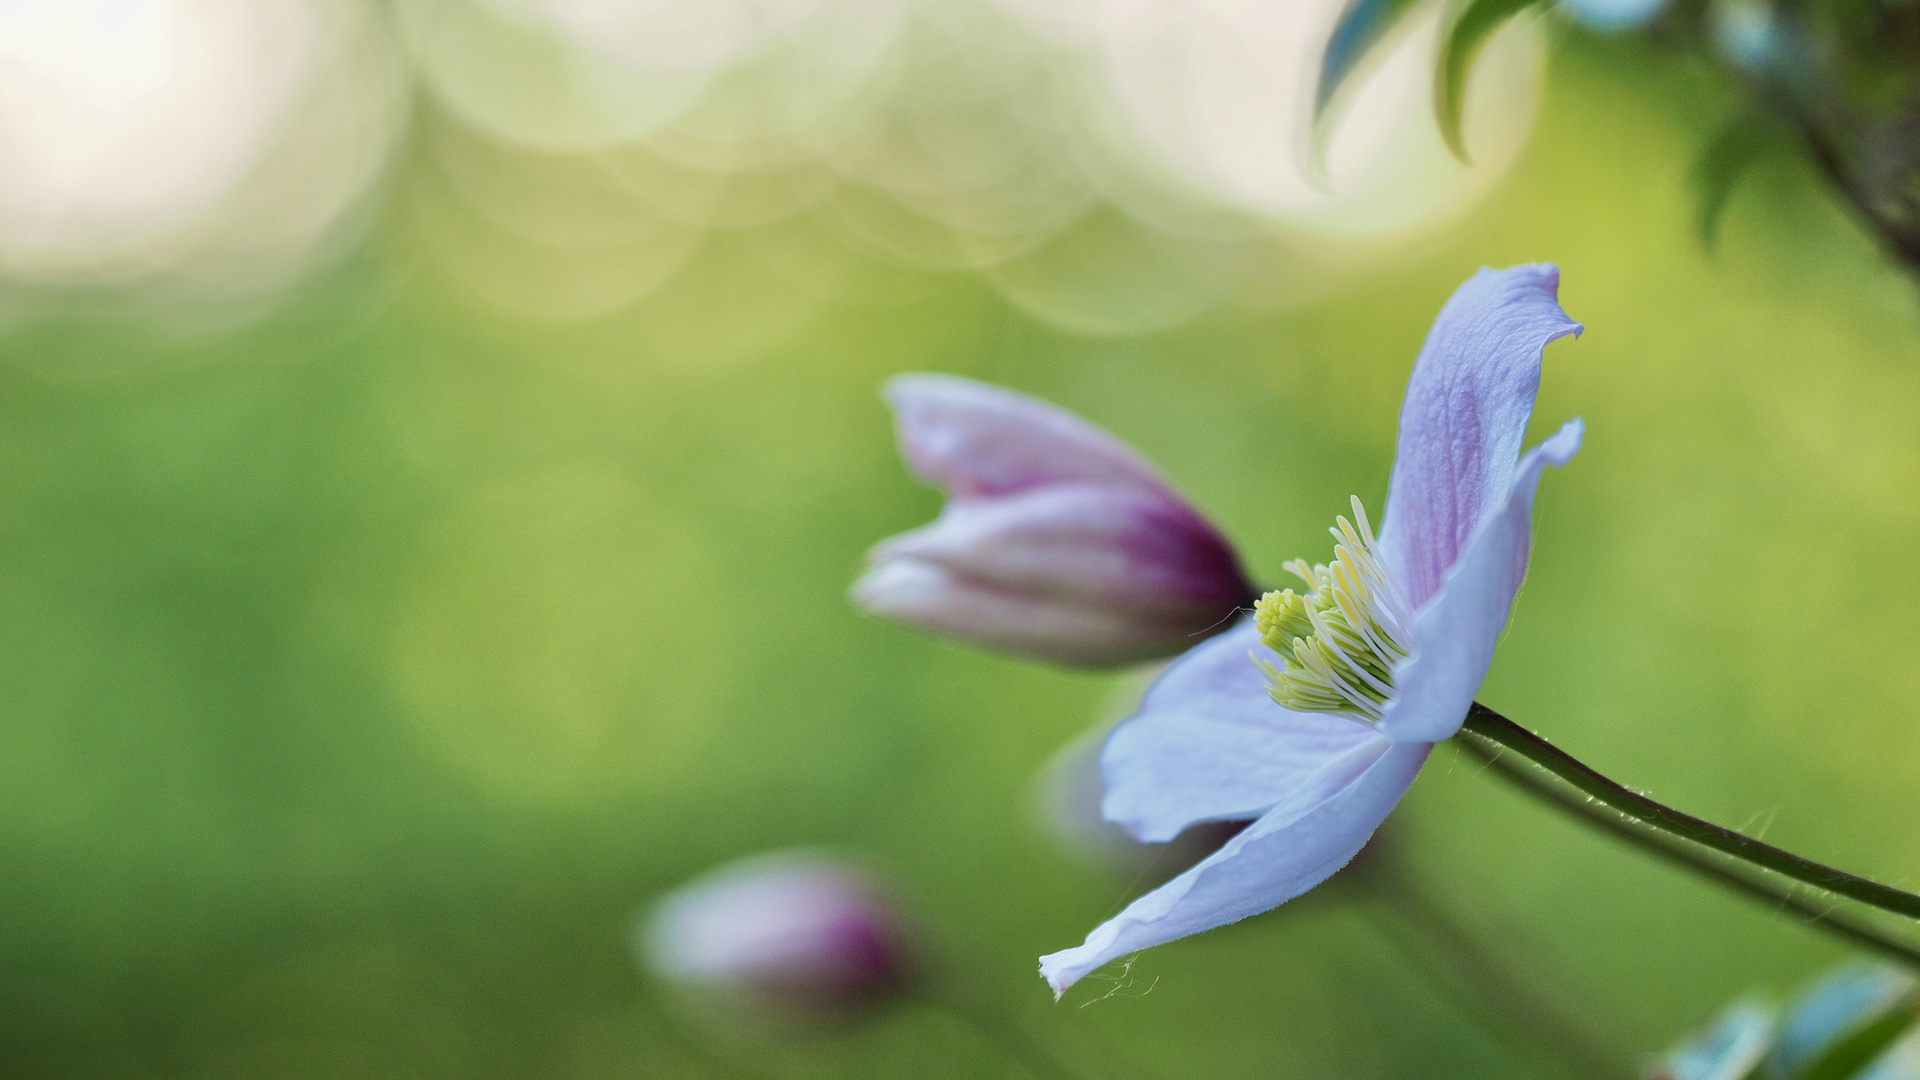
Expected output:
(1558, 449)
(1468, 402)
(1059, 989)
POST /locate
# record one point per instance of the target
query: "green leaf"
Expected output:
(1726, 158)
(1360, 28)
(1458, 49)
(1857, 1050)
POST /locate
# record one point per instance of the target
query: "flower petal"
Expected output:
(1209, 744)
(1466, 412)
(1459, 627)
(933, 597)
(1068, 791)
(1127, 551)
(974, 440)
(1295, 846)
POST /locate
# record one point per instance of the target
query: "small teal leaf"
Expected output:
(1844, 1022)
(1360, 28)
(1848, 1056)
(1733, 1046)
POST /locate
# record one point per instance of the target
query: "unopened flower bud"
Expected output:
(795, 937)
(1058, 541)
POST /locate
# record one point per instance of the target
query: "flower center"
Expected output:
(1339, 642)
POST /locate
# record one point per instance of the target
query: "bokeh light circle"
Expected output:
(559, 644)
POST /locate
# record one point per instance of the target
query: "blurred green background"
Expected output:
(364, 667)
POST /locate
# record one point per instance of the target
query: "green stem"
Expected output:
(1003, 1033)
(1896, 239)
(1490, 725)
(1477, 975)
(1537, 783)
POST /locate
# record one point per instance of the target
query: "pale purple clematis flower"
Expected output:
(1058, 541)
(1321, 731)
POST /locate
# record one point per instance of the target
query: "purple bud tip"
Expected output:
(1058, 541)
(781, 937)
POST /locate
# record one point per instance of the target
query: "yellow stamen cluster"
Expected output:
(1337, 643)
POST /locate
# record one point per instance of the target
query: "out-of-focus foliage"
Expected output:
(186, 152)
(1838, 80)
(1856, 1023)
(366, 665)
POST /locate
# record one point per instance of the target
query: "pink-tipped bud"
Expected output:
(792, 937)
(1058, 541)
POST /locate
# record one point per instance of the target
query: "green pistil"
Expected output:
(1338, 642)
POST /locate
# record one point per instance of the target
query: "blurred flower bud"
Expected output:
(1058, 541)
(782, 939)
(1860, 1022)
(1614, 15)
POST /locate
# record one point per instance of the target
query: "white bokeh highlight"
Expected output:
(1110, 166)
(189, 147)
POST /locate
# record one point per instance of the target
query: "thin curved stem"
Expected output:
(1476, 976)
(1492, 726)
(1005, 1034)
(1895, 240)
(1540, 785)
